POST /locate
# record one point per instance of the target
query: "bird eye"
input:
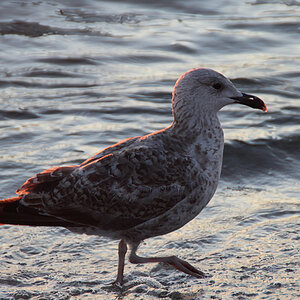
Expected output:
(217, 86)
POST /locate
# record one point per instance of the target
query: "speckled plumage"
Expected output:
(143, 186)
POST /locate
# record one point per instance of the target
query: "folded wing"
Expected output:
(116, 191)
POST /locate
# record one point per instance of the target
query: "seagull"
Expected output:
(143, 186)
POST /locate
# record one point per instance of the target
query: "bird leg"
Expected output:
(122, 252)
(173, 261)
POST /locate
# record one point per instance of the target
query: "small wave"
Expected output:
(283, 26)
(273, 85)
(79, 15)
(257, 82)
(269, 214)
(31, 29)
(180, 47)
(17, 115)
(149, 59)
(34, 29)
(119, 111)
(262, 157)
(50, 74)
(272, 2)
(34, 84)
(11, 282)
(69, 60)
(283, 119)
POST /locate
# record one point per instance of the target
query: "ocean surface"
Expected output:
(79, 75)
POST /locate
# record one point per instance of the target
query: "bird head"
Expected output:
(205, 90)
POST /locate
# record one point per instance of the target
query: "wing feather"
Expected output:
(120, 187)
(137, 184)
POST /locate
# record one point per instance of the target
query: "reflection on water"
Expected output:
(77, 76)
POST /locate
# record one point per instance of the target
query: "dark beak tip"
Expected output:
(251, 101)
(262, 105)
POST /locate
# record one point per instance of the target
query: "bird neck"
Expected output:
(203, 138)
(203, 126)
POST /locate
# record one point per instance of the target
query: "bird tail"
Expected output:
(12, 212)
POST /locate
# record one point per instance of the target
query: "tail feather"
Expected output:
(12, 212)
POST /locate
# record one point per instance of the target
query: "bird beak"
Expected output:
(251, 101)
